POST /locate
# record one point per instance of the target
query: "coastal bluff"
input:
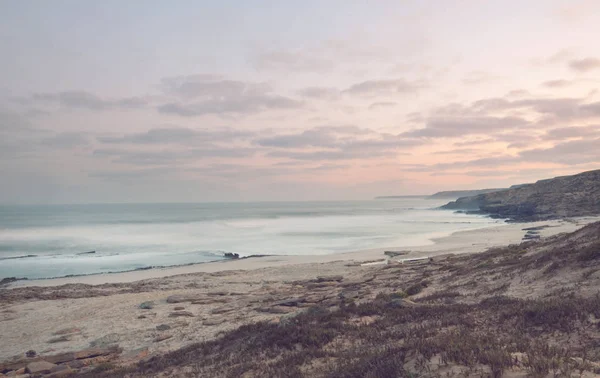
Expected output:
(560, 197)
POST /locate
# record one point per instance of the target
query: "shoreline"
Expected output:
(459, 242)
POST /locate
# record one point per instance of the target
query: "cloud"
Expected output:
(382, 87)
(292, 61)
(479, 77)
(325, 136)
(448, 127)
(88, 101)
(169, 156)
(207, 94)
(570, 152)
(335, 143)
(563, 133)
(67, 140)
(585, 64)
(382, 104)
(557, 83)
(178, 135)
(319, 92)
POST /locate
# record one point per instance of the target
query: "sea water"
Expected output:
(57, 240)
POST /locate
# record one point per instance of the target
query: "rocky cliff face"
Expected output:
(567, 196)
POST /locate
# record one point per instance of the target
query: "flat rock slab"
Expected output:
(39, 367)
(329, 278)
(276, 309)
(160, 338)
(180, 313)
(182, 298)
(213, 322)
(292, 302)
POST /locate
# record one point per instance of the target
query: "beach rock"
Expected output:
(31, 353)
(106, 341)
(21, 371)
(231, 255)
(206, 301)
(329, 278)
(95, 352)
(218, 293)
(60, 339)
(163, 327)
(39, 367)
(180, 313)
(142, 317)
(66, 331)
(60, 371)
(61, 358)
(162, 338)
(222, 310)
(182, 298)
(213, 322)
(292, 302)
(179, 308)
(276, 309)
(149, 305)
(395, 253)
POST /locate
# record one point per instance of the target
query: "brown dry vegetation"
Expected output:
(526, 310)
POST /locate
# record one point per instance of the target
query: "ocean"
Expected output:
(57, 240)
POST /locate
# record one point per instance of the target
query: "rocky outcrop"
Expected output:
(567, 196)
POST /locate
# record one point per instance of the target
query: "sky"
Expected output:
(193, 101)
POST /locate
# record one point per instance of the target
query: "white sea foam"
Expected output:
(130, 237)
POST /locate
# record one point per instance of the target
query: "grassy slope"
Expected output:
(526, 310)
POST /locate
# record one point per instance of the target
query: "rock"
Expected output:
(218, 293)
(148, 305)
(213, 322)
(276, 309)
(21, 371)
(179, 308)
(162, 338)
(31, 353)
(39, 367)
(210, 301)
(180, 313)
(142, 317)
(60, 371)
(231, 255)
(222, 310)
(106, 341)
(292, 302)
(395, 253)
(60, 339)
(181, 298)
(61, 358)
(163, 327)
(329, 278)
(67, 331)
(94, 352)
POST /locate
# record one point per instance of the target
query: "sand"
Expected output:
(227, 295)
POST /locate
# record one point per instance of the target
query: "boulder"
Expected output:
(60, 371)
(292, 302)
(148, 305)
(162, 338)
(180, 313)
(181, 298)
(213, 322)
(330, 278)
(39, 367)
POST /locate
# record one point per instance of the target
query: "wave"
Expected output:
(143, 268)
(17, 257)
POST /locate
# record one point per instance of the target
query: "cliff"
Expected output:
(566, 196)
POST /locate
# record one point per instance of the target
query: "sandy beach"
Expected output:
(195, 303)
